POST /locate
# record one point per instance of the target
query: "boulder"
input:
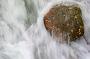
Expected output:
(64, 22)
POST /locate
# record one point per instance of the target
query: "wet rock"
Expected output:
(65, 22)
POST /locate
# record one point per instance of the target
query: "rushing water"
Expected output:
(23, 35)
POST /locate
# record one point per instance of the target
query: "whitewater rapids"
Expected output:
(23, 35)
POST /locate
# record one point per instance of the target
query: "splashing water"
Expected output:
(23, 35)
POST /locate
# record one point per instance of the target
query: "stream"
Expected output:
(23, 34)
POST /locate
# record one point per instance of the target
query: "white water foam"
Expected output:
(19, 42)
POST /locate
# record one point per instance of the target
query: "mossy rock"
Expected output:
(65, 21)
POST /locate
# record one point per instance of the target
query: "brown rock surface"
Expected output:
(65, 22)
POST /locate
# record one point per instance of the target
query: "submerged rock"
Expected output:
(65, 22)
